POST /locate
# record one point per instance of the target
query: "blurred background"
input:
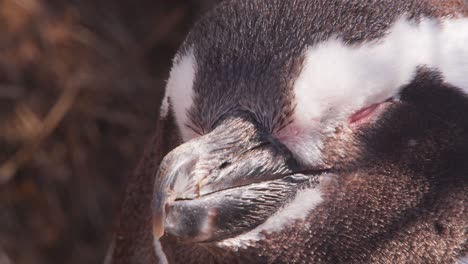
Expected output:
(80, 88)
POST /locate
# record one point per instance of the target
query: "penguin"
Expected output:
(308, 131)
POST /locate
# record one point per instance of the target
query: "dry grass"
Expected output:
(80, 84)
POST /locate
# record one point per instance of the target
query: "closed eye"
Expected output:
(367, 113)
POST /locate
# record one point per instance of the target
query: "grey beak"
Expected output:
(223, 183)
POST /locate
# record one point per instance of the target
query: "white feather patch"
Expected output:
(298, 208)
(179, 91)
(159, 251)
(109, 253)
(337, 79)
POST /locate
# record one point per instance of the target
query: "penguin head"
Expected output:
(272, 105)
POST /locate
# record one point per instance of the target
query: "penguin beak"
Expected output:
(224, 183)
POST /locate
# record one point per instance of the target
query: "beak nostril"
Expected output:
(224, 165)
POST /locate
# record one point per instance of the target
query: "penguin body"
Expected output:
(309, 132)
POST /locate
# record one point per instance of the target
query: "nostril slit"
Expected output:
(224, 165)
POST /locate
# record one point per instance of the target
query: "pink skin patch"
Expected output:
(362, 116)
(293, 131)
(289, 132)
(368, 114)
(363, 113)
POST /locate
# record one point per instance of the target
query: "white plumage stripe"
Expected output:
(338, 79)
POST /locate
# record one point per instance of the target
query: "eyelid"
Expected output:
(364, 114)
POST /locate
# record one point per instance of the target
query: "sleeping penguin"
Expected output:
(308, 131)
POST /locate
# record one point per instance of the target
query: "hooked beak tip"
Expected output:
(158, 224)
(159, 214)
